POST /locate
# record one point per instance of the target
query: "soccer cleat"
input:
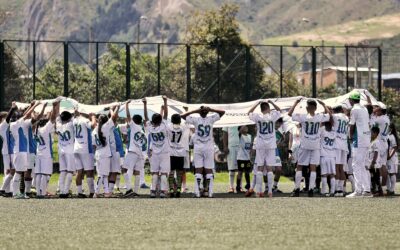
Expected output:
(276, 190)
(162, 194)
(339, 194)
(178, 194)
(29, 195)
(295, 193)
(331, 195)
(249, 192)
(205, 194)
(311, 193)
(367, 194)
(82, 196)
(128, 193)
(238, 190)
(171, 194)
(144, 186)
(2, 192)
(354, 195)
(95, 196)
(8, 195)
(231, 191)
(19, 196)
(39, 197)
(91, 195)
(117, 191)
(152, 194)
(260, 195)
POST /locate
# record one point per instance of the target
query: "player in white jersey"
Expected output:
(340, 128)
(6, 150)
(361, 137)
(309, 152)
(266, 142)
(66, 140)
(381, 120)
(20, 132)
(231, 147)
(393, 160)
(134, 158)
(159, 153)
(44, 151)
(83, 151)
(244, 157)
(328, 153)
(102, 139)
(373, 162)
(203, 146)
(177, 133)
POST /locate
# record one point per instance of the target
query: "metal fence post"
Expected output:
(97, 73)
(218, 71)
(128, 71)
(188, 75)
(314, 72)
(2, 73)
(347, 69)
(248, 72)
(379, 74)
(34, 71)
(281, 70)
(66, 69)
(158, 69)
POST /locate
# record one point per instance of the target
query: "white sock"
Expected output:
(164, 183)
(313, 176)
(253, 182)
(341, 185)
(28, 185)
(154, 181)
(79, 188)
(141, 177)
(61, 181)
(270, 176)
(337, 184)
(128, 181)
(136, 184)
(90, 182)
(43, 185)
(210, 179)
(105, 184)
(38, 181)
(98, 184)
(393, 182)
(111, 186)
(259, 181)
(68, 182)
(353, 185)
(389, 183)
(231, 179)
(324, 184)
(333, 186)
(297, 179)
(6, 182)
(117, 181)
(197, 181)
(16, 180)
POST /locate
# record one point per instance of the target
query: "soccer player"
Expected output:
(134, 159)
(328, 164)
(266, 142)
(83, 151)
(44, 159)
(243, 157)
(66, 141)
(6, 150)
(393, 160)
(177, 134)
(309, 152)
(203, 146)
(231, 147)
(277, 166)
(373, 162)
(340, 128)
(118, 153)
(159, 152)
(20, 132)
(361, 137)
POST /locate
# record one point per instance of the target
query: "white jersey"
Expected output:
(340, 127)
(360, 118)
(104, 151)
(136, 138)
(382, 122)
(83, 135)
(393, 144)
(65, 134)
(178, 134)
(20, 132)
(310, 132)
(159, 140)
(296, 135)
(5, 137)
(266, 138)
(244, 148)
(203, 135)
(328, 143)
(373, 147)
(44, 140)
(233, 136)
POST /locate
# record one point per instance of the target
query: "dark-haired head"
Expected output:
(204, 111)
(311, 105)
(65, 116)
(176, 119)
(3, 115)
(156, 119)
(101, 121)
(338, 109)
(42, 122)
(137, 119)
(264, 106)
(375, 131)
(328, 126)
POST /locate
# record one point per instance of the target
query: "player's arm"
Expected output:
(291, 110)
(29, 112)
(184, 115)
(253, 108)
(392, 152)
(374, 159)
(11, 112)
(369, 102)
(54, 112)
(93, 121)
(114, 113)
(40, 114)
(275, 106)
(220, 112)
(128, 113)
(165, 109)
(146, 117)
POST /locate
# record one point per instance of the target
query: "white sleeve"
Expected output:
(254, 117)
(215, 117)
(109, 124)
(352, 117)
(298, 117)
(49, 127)
(325, 117)
(191, 120)
(275, 115)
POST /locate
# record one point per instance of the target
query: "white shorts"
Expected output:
(232, 158)
(134, 162)
(6, 162)
(20, 161)
(83, 161)
(115, 163)
(67, 162)
(393, 165)
(31, 161)
(341, 156)
(278, 161)
(160, 163)
(308, 157)
(328, 165)
(266, 157)
(44, 165)
(187, 161)
(204, 158)
(103, 166)
(348, 168)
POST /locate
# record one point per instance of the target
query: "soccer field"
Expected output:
(225, 222)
